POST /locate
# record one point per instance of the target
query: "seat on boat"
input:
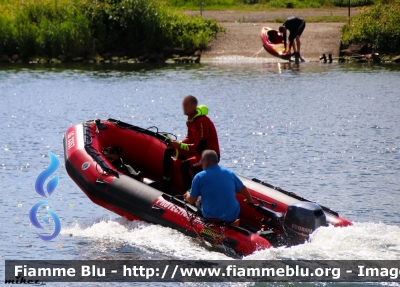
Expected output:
(113, 155)
(274, 37)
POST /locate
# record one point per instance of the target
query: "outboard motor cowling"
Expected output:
(301, 219)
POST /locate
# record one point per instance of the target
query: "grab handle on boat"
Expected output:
(267, 212)
(262, 202)
(168, 141)
(275, 219)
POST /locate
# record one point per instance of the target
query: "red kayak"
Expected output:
(277, 218)
(273, 43)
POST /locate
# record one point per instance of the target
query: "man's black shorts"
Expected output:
(298, 32)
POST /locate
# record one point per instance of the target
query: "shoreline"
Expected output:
(232, 16)
(242, 35)
(243, 39)
(240, 42)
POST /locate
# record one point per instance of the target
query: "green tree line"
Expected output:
(265, 4)
(79, 28)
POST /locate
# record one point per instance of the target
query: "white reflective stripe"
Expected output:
(184, 146)
(80, 140)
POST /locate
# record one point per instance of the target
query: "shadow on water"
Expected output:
(273, 67)
(87, 67)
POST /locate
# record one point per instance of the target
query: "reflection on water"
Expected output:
(327, 132)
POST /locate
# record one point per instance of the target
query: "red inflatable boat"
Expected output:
(273, 43)
(279, 217)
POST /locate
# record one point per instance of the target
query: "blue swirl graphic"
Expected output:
(44, 175)
(36, 223)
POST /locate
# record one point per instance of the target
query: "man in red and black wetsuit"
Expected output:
(201, 136)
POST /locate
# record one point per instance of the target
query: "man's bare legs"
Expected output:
(298, 44)
(295, 50)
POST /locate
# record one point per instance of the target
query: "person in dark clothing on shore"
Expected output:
(296, 27)
(201, 135)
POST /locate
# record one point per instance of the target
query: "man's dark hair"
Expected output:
(282, 29)
(210, 155)
(192, 99)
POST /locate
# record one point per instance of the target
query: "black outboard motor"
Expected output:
(302, 218)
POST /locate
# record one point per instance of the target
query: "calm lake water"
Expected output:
(327, 132)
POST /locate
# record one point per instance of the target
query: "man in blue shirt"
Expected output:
(217, 187)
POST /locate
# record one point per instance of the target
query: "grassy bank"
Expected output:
(378, 25)
(79, 28)
(259, 5)
(319, 19)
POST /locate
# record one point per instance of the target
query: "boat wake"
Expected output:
(139, 239)
(363, 241)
